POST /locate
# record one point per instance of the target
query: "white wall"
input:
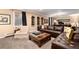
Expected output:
(7, 29)
(75, 20)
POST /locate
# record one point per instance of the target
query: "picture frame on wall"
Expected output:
(5, 19)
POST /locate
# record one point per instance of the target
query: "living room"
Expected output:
(39, 28)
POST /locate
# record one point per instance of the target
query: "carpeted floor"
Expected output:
(21, 43)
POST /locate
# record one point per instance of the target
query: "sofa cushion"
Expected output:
(60, 42)
(76, 37)
(77, 29)
(56, 32)
(58, 28)
(50, 28)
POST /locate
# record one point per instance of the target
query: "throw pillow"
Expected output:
(69, 32)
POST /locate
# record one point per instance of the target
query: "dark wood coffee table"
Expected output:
(40, 39)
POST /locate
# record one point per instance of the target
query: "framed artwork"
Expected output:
(5, 19)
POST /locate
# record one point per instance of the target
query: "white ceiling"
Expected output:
(49, 12)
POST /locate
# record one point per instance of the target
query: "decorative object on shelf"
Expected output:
(5, 19)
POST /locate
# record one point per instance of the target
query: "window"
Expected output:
(49, 21)
(42, 21)
(18, 18)
(33, 20)
(38, 20)
(24, 23)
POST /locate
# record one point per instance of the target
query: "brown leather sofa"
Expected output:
(76, 35)
(54, 30)
(61, 42)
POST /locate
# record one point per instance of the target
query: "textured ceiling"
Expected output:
(48, 12)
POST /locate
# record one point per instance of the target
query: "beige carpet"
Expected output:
(21, 43)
